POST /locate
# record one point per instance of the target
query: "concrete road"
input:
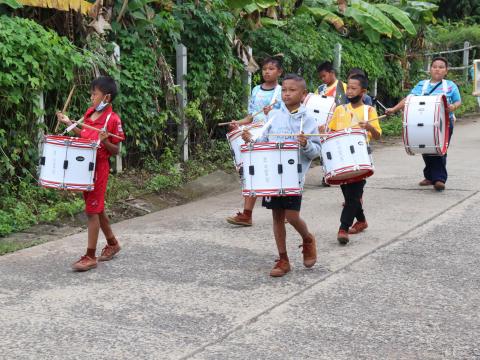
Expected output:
(187, 285)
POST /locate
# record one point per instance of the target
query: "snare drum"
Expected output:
(271, 169)
(235, 140)
(346, 157)
(322, 107)
(68, 163)
(426, 125)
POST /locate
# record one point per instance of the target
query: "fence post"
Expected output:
(337, 58)
(40, 120)
(466, 57)
(247, 80)
(182, 138)
(118, 157)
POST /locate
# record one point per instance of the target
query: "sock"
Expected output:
(283, 256)
(91, 253)
(247, 212)
(112, 241)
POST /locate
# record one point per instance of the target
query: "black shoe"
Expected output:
(324, 184)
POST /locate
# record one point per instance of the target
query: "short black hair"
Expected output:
(356, 71)
(326, 66)
(106, 85)
(361, 78)
(275, 60)
(297, 78)
(440, 58)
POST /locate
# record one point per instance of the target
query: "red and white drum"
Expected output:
(68, 163)
(346, 157)
(235, 140)
(426, 125)
(322, 107)
(271, 169)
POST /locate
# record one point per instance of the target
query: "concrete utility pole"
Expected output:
(337, 60)
(182, 138)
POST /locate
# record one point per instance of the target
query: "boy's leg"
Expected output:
(361, 223)
(244, 218)
(107, 229)
(427, 171)
(93, 231)
(352, 194)
(112, 247)
(282, 266)
(89, 261)
(279, 230)
(309, 244)
(438, 171)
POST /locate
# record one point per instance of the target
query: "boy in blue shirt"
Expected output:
(435, 171)
(265, 96)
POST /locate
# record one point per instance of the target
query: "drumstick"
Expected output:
(326, 134)
(65, 107)
(94, 128)
(255, 114)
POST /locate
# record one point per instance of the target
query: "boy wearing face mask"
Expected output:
(353, 115)
(101, 116)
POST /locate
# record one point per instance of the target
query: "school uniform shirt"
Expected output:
(346, 116)
(263, 97)
(95, 200)
(282, 121)
(451, 92)
(331, 90)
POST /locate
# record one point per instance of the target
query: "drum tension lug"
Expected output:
(369, 149)
(299, 168)
(421, 146)
(240, 171)
(420, 124)
(329, 155)
(65, 164)
(352, 149)
(280, 168)
(316, 111)
(42, 160)
(91, 166)
(251, 170)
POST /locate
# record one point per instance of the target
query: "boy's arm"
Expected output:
(374, 126)
(312, 146)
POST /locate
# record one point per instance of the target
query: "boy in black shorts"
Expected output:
(291, 118)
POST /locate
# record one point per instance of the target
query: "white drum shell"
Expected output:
(68, 163)
(425, 125)
(346, 157)
(235, 140)
(321, 107)
(271, 169)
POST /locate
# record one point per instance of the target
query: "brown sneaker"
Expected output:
(359, 226)
(108, 252)
(342, 237)
(425, 182)
(240, 219)
(85, 263)
(281, 268)
(439, 186)
(309, 251)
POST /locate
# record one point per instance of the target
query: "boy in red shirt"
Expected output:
(101, 116)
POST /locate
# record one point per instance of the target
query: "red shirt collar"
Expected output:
(103, 115)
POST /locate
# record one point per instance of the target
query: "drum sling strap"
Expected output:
(340, 97)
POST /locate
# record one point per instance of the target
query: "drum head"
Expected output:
(348, 177)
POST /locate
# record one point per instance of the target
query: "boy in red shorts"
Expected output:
(101, 116)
